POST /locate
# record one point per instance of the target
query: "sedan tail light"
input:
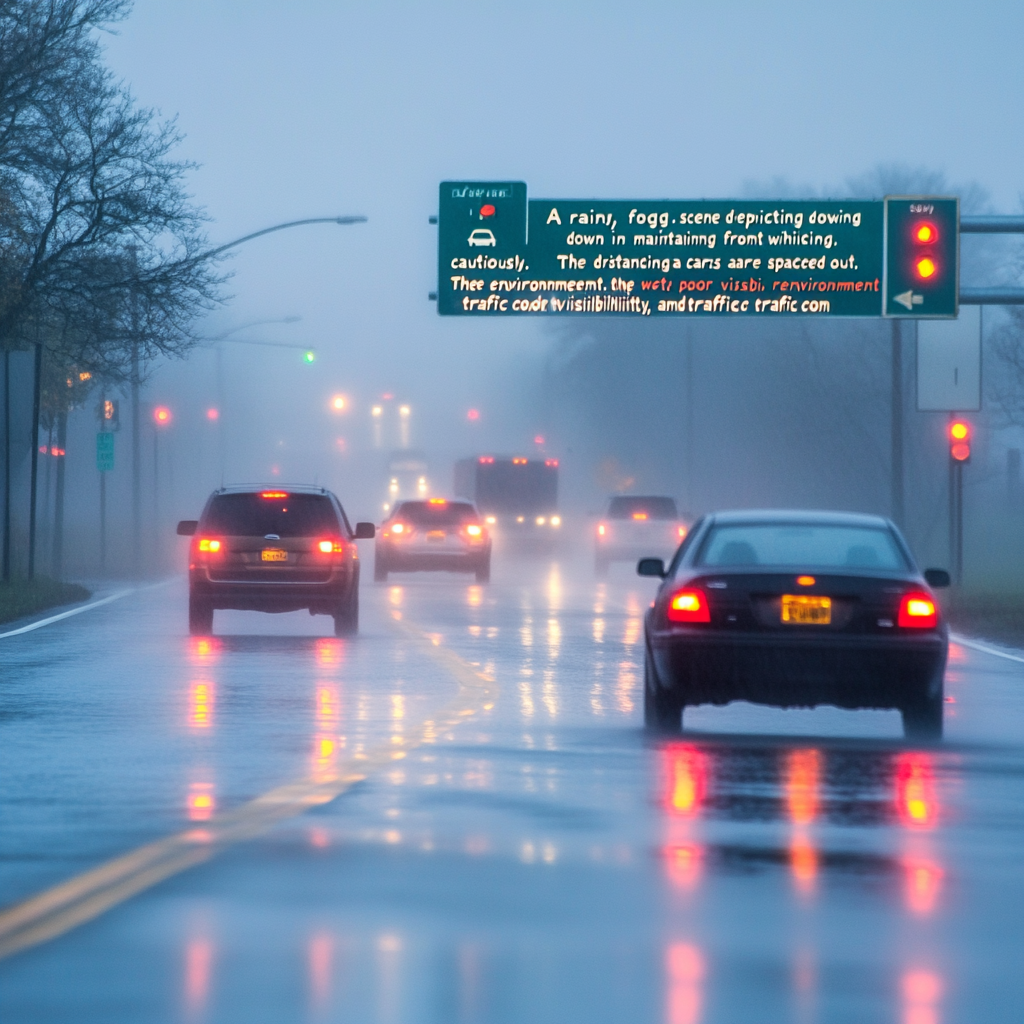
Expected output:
(688, 606)
(918, 611)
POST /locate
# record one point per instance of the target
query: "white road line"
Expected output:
(67, 614)
(985, 649)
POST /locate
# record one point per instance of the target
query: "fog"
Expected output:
(319, 109)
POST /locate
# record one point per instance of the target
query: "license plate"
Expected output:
(435, 535)
(274, 555)
(804, 610)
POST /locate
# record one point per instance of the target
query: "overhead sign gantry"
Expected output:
(501, 254)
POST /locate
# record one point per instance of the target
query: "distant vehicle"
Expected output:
(795, 609)
(432, 535)
(516, 495)
(482, 237)
(637, 525)
(273, 549)
(407, 477)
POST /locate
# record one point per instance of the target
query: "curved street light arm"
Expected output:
(281, 227)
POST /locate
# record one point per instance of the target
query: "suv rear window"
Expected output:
(252, 515)
(653, 508)
(423, 513)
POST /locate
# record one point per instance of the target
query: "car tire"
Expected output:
(600, 568)
(346, 619)
(922, 719)
(200, 617)
(380, 570)
(483, 572)
(663, 710)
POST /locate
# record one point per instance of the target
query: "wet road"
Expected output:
(457, 818)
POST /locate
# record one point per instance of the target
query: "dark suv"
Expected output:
(274, 549)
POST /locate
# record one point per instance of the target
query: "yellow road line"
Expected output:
(65, 906)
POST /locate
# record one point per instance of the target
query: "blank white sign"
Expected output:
(949, 363)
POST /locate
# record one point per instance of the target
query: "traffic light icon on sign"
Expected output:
(922, 257)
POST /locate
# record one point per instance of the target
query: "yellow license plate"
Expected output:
(274, 555)
(805, 610)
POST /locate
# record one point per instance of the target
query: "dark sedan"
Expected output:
(795, 609)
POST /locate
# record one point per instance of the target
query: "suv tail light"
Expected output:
(688, 606)
(210, 545)
(326, 547)
(917, 611)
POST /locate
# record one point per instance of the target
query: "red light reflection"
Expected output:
(198, 968)
(685, 772)
(201, 696)
(329, 651)
(320, 955)
(922, 992)
(684, 972)
(201, 802)
(916, 802)
(203, 650)
(923, 881)
(803, 768)
(683, 865)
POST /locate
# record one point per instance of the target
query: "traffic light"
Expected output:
(959, 440)
(921, 276)
(109, 414)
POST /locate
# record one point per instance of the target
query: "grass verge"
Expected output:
(23, 597)
(992, 616)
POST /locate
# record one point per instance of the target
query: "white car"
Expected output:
(482, 236)
(635, 524)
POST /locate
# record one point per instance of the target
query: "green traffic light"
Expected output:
(309, 356)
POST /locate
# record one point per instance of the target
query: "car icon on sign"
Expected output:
(482, 236)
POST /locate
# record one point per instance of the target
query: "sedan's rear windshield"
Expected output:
(425, 513)
(287, 515)
(802, 546)
(641, 508)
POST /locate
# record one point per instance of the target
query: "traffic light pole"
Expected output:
(896, 464)
(956, 501)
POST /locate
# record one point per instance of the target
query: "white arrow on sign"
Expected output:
(908, 299)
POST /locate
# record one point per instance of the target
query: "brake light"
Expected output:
(918, 611)
(486, 460)
(519, 461)
(689, 606)
(209, 544)
(273, 494)
(437, 501)
(473, 530)
(329, 546)
(639, 515)
(601, 529)
(551, 463)
(681, 531)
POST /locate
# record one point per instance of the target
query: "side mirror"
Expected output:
(365, 531)
(937, 578)
(187, 527)
(651, 567)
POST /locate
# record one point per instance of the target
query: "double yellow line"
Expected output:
(57, 910)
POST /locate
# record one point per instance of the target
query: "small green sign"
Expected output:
(922, 257)
(105, 451)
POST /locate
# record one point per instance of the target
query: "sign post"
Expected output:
(105, 464)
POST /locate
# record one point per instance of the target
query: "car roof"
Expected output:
(258, 488)
(793, 515)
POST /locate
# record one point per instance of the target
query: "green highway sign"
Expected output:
(500, 253)
(105, 451)
(922, 249)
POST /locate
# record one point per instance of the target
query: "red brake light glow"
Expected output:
(273, 494)
(437, 501)
(519, 461)
(918, 611)
(209, 544)
(805, 581)
(550, 462)
(473, 530)
(486, 460)
(681, 530)
(639, 515)
(328, 546)
(601, 529)
(689, 606)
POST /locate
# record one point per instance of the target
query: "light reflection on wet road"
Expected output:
(541, 861)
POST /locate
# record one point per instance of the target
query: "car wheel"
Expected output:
(483, 572)
(600, 568)
(663, 711)
(200, 617)
(922, 720)
(380, 570)
(346, 619)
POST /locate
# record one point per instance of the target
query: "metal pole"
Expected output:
(36, 387)
(7, 467)
(896, 463)
(221, 438)
(103, 491)
(959, 561)
(136, 469)
(58, 515)
(156, 496)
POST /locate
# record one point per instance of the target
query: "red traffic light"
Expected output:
(162, 415)
(925, 232)
(487, 210)
(925, 267)
(960, 440)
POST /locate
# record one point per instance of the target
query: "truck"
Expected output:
(516, 495)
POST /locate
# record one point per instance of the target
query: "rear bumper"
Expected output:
(800, 671)
(277, 596)
(426, 561)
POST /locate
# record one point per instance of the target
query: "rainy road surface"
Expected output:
(457, 818)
